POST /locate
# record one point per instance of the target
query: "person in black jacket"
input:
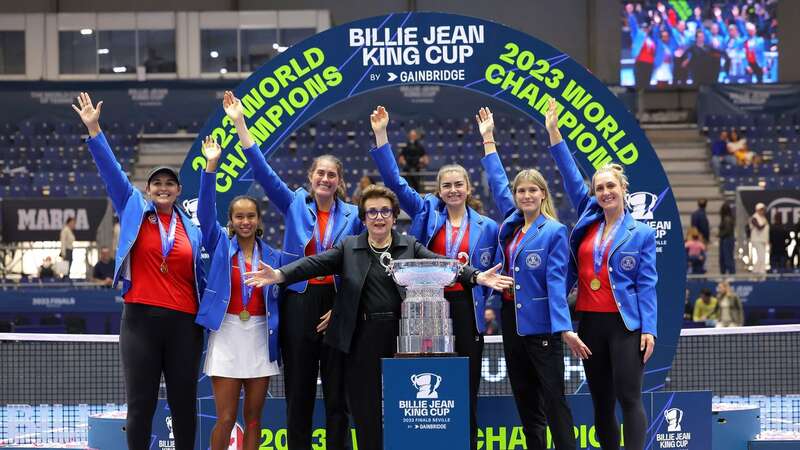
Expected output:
(727, 241)
(364, 323)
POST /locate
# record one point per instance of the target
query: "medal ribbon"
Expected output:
(450, 247)
(513, 250)
(247, 291)
(600, 245)
(167, 238)
(325, 244)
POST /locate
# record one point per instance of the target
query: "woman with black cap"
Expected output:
(158, 261)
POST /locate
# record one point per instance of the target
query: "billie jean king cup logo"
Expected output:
(169, 427)
(673, 417)
(641, 205)
(426, 384)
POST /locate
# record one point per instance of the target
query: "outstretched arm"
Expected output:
(274, 187)
(410, 200)
(498, 181)
(117, 184)
(207, 196)
(574, 185)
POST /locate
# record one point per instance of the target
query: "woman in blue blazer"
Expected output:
(315, 220)
(447, 224)
(614, 264)
(532, 245)
(243, 349)
(159, 263)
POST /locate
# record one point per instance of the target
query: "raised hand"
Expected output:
(232, 106)
(89, 114)
(551, 122)
(264, 276)
(490, 278)
(212, 151)
(379, 119)
(576, 345)
(485, 120)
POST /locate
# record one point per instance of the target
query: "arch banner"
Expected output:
(484, 57)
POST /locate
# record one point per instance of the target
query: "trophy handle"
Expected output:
(386, 265)
(463, 258)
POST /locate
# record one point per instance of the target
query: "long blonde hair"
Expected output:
(535, 177)
(471, 201)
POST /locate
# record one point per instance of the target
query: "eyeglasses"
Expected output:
(384, 212)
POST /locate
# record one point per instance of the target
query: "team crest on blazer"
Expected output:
(627, 263)
(533, 260)
(486, 258)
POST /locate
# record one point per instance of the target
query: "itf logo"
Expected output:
(426, 384)
(641, 204)
(673, 417)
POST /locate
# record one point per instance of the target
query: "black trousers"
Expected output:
(614, 373)
(536, 372)
(153, 340)
(469, 343)
(643, 71)
(305, 356)
(373, 339)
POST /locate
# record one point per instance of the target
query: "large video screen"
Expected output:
(698, 42)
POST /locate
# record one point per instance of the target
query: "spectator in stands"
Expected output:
(778, 243)
(413, 159)
(699, 220)
(705, 307)
(317, 218)
(363, 183)
(720, 153)
(67, 238)
(695, 251)
(159, 262)
(687, 306)
(448, 223)
(103, 271)
(737, 146)
(534, 249)
(115, 235)
(759, 236)
(490, 322)
(46, 271)
(366, 319)
(616, 291)
(243, 348)
(727, 241)
(730, 312)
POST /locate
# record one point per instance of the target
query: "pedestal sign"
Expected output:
(425, 403)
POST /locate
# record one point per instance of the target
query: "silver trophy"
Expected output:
(425, 324)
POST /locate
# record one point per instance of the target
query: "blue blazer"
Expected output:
(428, 216)
(540, 267)
(632, 259)
(300, 211)
(131, 206)
(217, 295)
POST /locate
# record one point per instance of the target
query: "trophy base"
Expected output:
(425, 355)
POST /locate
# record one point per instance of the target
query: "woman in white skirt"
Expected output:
(242, 321)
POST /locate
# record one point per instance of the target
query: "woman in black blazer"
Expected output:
(365, 319)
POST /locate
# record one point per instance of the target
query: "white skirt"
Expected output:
(239, 349)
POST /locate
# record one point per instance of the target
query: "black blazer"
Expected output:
(350, 258)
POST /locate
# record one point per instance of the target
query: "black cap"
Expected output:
(163, 169)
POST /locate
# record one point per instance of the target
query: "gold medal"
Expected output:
(594, 284)
(163, 267)
(244, 316)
